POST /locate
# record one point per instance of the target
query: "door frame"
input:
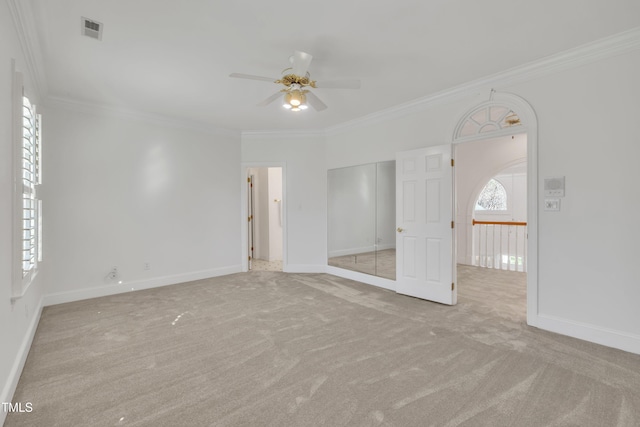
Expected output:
(529, 127)
(244, 210)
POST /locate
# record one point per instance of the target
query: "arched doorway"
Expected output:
(505, 115)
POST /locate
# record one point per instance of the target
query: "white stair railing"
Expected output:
(500, 245)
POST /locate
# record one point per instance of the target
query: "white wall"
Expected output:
(381, 139)
(476, 163)
(18, 319)
(588, 132)
(123, 191)
(587, 252)
(306, 194)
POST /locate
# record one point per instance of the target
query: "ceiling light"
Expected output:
(295, 100)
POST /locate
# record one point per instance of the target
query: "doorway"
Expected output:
(506, 115)
(263, 248)
(491, 217)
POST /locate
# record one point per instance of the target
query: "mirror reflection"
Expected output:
(361, 218)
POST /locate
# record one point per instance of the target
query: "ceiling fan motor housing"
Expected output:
(292, 79)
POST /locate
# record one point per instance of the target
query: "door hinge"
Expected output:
(249, 219)
(248, 179)
(452, 224)
(453, 286)
(452, 163)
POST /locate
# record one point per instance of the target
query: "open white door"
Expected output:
(424, 213)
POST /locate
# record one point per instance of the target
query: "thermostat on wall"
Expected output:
(554, 187)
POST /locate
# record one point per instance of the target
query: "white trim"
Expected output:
(530, 126)
(18, 364)
(244, 213)
(592, 333)
(17, 288)
(380, 282)
(155, 119)
(24, 25)
(136, 285)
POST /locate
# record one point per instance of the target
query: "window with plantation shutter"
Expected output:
(30, 178)
(27, 168)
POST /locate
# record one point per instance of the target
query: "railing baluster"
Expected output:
(525, 238)
(493, 246)
(516, 249)
(479, 243)
(483, 257)
(486, 242)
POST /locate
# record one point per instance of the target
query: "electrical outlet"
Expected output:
(113, 274)
(147, 266)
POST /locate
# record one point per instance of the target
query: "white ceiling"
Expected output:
(173, 58)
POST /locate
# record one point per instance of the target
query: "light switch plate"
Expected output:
(552, 205)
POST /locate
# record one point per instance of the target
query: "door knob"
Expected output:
(400, 229)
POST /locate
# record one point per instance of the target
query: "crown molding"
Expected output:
(617, 44)
(282, 134)
(22, 16)
(155, 119)
(607, 47)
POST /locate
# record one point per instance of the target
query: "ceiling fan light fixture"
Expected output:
(295, 100)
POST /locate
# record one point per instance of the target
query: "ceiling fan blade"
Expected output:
(315, 102)
(270, 99)
(339, 84)
(300, 63)
(251, 77)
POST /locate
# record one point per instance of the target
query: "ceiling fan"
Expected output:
(297, 81)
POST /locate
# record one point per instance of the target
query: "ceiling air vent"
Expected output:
(91, 28)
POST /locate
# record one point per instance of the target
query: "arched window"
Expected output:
(493, 197)
(488, 119)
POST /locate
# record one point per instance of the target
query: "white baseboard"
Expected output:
(21, 358)
(380, 282)
(136, 285)
(305, 268)
(584, 331)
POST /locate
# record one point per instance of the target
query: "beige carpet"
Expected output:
(276, 349)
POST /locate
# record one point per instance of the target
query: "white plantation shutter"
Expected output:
(27, 167)
(30, 170)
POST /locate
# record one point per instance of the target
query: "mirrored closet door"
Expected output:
(361, 218)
